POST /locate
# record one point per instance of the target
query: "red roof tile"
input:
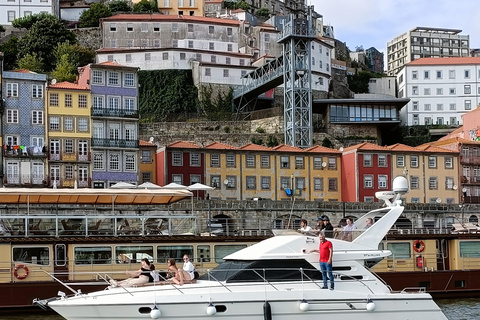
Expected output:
(445, 61)
(429, 147)
(287, 148)
(183, 145)
(366, 146)
(321, 149)
(255, 147)
(68, 86)
(402, 148)
(143, 143)
(176, 18)
(220, 146)
(23, 71)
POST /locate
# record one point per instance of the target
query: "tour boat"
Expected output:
(277, 278)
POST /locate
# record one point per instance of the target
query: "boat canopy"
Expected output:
(91, 196)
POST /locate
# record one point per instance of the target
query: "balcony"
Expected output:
(26, 152)
(115, 113)
(112, 143)
(70, 157)
(25, 180)
(472, 180)
(68, 183)
(470, 160)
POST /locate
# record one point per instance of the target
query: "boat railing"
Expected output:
(414, 290)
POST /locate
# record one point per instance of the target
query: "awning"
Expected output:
(92, 196)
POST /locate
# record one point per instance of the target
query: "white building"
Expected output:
(14, 9)
(425, 43)
(441, 90)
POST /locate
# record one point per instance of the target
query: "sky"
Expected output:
(373, 23)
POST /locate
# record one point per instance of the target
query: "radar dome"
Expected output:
(400, 184)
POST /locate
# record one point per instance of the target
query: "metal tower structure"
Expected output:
(296, 37)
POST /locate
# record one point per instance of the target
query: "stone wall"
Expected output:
(89, 37)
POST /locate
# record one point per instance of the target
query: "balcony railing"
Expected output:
(25, 180)
(26, 152)
(112, 143)
(470, 160)
(117, 113)
(70, 157)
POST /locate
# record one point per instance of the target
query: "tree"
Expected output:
(91, 17)
(262, 12)
(10, 51)
(358, 83)
(28, 21)
(77, 55)
(145, 6)
(65, 70)
(2, 28)
(42, 38)
(119, 6)
(31, 62)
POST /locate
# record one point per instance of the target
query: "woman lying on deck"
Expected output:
(136, 278)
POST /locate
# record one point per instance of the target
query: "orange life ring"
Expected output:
(418, 246)
(15, 271)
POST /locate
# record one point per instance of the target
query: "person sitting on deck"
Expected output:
(180, 276)
(304, 227)
(136, 278)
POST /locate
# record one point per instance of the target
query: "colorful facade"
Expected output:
(69, 135)
(114, 91)
(23, 127)
(148, 162)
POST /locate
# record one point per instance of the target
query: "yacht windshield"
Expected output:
(261, 270)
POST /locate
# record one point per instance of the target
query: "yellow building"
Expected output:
(68, 134)
(182, 7)
(431, 171)
(324, 172)
(148, 162)
(222, 171)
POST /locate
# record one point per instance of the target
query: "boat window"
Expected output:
(271, 270)
(33, 255)
(173, 252)
(60, 255)
(93, 255)
(133, 254)
(400, 250)
(470, 249)
(203, 253)
(222, 251)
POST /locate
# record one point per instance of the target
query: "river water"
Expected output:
(454, 309)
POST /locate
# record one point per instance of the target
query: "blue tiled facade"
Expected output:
(24, 128)
(115, 152)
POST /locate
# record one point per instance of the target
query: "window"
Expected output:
(189, 27)
(452, 90)
(174, 27)
(208, 72)
(129, 27)
(215, 181)
(37, 91)
(468, 104)
(54, 123)
(11, 16)
(414, 182)
(432, 162)
(250, 183)
(467, 89)
(250, 160)
(211, 46)
(332, 163)
(284, 162)
(265, 161)
(318, 184)
(215, 160)
(265, 183)
(299, 163)
(382, 160)
(229, 47)
(285, 183)
(415, 105)
(146, 156)
(467, 74)
(382, 182)
(414, 75)
(225, 73)
(426, 74)
(367, 160)
(427, 107)
(317, 163)
(156, 43)
(68, 100)
(426, 91)
(129, 80)
(147, 56)
(453, 106)
(174, 44)
(37, 117)
(232, 182)
(177, 159)
(98, 161)
(190, 44)
(231, 160)
(130, 163)
(448, 183)
(229, 31)
(183, 56)
(428, 120)
(432, 183)
(69, 146)
(400, 161)
(448, 163)
(68, 124)
(228, 60)
(82, 124)
(113, 78)
(451, 74)
(144, 27)
(54, 99)
(439, 91)
(439, 106)
(439, 74)
(12, 90)
(165, 56)
(97, 77)
(12, 116)
(414, 161)
(213, 59)
(368, 181)
(114, 161)
(194, 159)
(415, 90)
(332, 184)
(211, 29)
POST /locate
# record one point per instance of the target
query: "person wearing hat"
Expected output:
(318, 227)
(327, 227)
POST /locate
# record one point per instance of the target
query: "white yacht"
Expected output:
(275, 279)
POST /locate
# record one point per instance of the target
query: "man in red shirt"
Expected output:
(326, 254)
